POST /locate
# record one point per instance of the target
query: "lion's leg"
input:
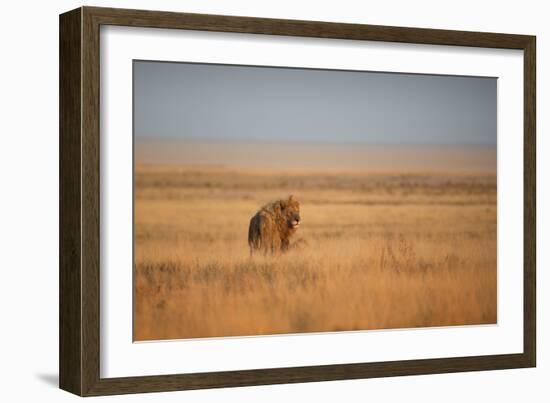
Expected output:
(270, 244)
(267, 246)
(285, 244)
(276, 245)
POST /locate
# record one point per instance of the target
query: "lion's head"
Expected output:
(290, 208)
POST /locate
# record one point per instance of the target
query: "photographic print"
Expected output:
(277, 200)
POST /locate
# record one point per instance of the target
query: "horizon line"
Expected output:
(209, 139)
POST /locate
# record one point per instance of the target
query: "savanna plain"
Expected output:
(393, 241)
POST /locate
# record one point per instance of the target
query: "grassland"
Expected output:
(386, 250)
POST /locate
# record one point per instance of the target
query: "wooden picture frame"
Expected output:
(79, 347)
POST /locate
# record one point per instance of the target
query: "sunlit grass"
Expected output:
(385, 251)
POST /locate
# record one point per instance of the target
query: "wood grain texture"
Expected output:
(317, 29)
(530, 203)
(70, 315)
(80, 201)
(90, 201)
(160, 383)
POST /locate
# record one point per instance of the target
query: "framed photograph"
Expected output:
(248, 201)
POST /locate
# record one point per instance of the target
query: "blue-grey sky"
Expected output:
(206, 101)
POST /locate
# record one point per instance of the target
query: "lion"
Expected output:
(272, 226)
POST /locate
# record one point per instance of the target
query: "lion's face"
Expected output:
(291, 211)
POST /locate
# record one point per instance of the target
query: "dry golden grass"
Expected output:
(385, 251)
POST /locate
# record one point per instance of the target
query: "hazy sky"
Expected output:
(194, 101)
